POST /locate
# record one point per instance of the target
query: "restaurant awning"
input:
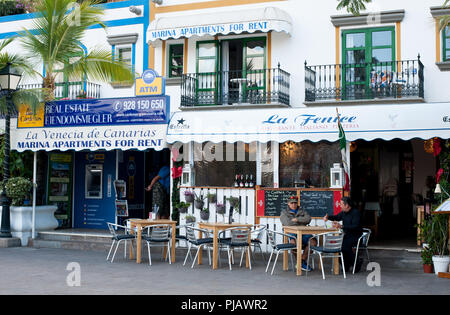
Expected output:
(367, 122)
(236, 22)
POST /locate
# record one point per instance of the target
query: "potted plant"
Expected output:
(189, 196)
(234, 202)
(220, 208)
(183, 206)
(204, 214)
(212, 198)
(427, 260)
(190, 219)
(198, 202)
(19, 190)
(438, 242)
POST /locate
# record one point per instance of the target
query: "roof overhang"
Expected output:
(231, 22)
(367, 122)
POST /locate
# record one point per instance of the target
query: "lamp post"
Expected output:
(9, 80)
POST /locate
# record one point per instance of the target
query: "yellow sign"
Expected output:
(27, 119)
(157, 87)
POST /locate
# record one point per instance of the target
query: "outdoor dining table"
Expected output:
(216, 227)
(299, 230)
(141, 223)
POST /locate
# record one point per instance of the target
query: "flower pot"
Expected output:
(428, 268)
(198, 204)
(220, 209)
(190, 220)
(204, 215)
(189, 198)
(440, 263)
(183, 209)
(21, 220)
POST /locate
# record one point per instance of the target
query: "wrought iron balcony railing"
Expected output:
(265, 86)
(70, 90)
(365, 81)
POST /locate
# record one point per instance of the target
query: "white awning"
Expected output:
(367, 122)
(236, 22)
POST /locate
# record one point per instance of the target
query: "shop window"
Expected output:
(307, 164)
(218, 164)
(176, 60)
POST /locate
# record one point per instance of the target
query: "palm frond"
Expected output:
(99, 65)
(353, 6)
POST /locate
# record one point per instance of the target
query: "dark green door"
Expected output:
(368, 62)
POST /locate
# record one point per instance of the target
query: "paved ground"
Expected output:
(44, 271)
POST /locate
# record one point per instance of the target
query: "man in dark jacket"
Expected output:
(351, 225)
(293, 215)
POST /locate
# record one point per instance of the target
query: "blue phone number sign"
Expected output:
(113, 111)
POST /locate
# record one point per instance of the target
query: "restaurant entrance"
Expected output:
(388, 184)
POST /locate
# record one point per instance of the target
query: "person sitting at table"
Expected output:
(351, 225)
(293, 215)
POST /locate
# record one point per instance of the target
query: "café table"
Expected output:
(139, 224)
(215, 227)
(299, 230)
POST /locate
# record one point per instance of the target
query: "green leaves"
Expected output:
(56, 41)
(353, 6)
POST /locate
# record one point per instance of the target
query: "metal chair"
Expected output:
(193, 240)
(157, 236)
(332, 245)
(363, 242)
(239, 239)
(257, 235)
(279, 247)
(119, 237)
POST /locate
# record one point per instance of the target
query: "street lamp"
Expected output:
(9, 80)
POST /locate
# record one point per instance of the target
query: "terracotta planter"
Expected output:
(428, 268)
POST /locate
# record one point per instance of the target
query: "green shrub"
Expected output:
(18, 189)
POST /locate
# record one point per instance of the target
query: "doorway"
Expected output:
(231, 71)
(382, 187)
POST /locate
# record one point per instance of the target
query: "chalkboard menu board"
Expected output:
(271, 202)
(317, 203)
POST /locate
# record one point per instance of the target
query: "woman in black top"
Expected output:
(351, 225)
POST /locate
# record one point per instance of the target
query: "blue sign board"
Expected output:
(109, 111)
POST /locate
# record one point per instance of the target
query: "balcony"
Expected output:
(70, 90)
(383, 81)
(238, 88)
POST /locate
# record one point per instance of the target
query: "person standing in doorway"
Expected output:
(160, 186)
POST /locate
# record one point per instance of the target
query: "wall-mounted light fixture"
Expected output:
(157, 1)
(135, 10)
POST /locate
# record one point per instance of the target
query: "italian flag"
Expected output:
(343, 148)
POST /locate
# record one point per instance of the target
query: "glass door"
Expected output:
(207, 73)
(368, 62)
(254, 73)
